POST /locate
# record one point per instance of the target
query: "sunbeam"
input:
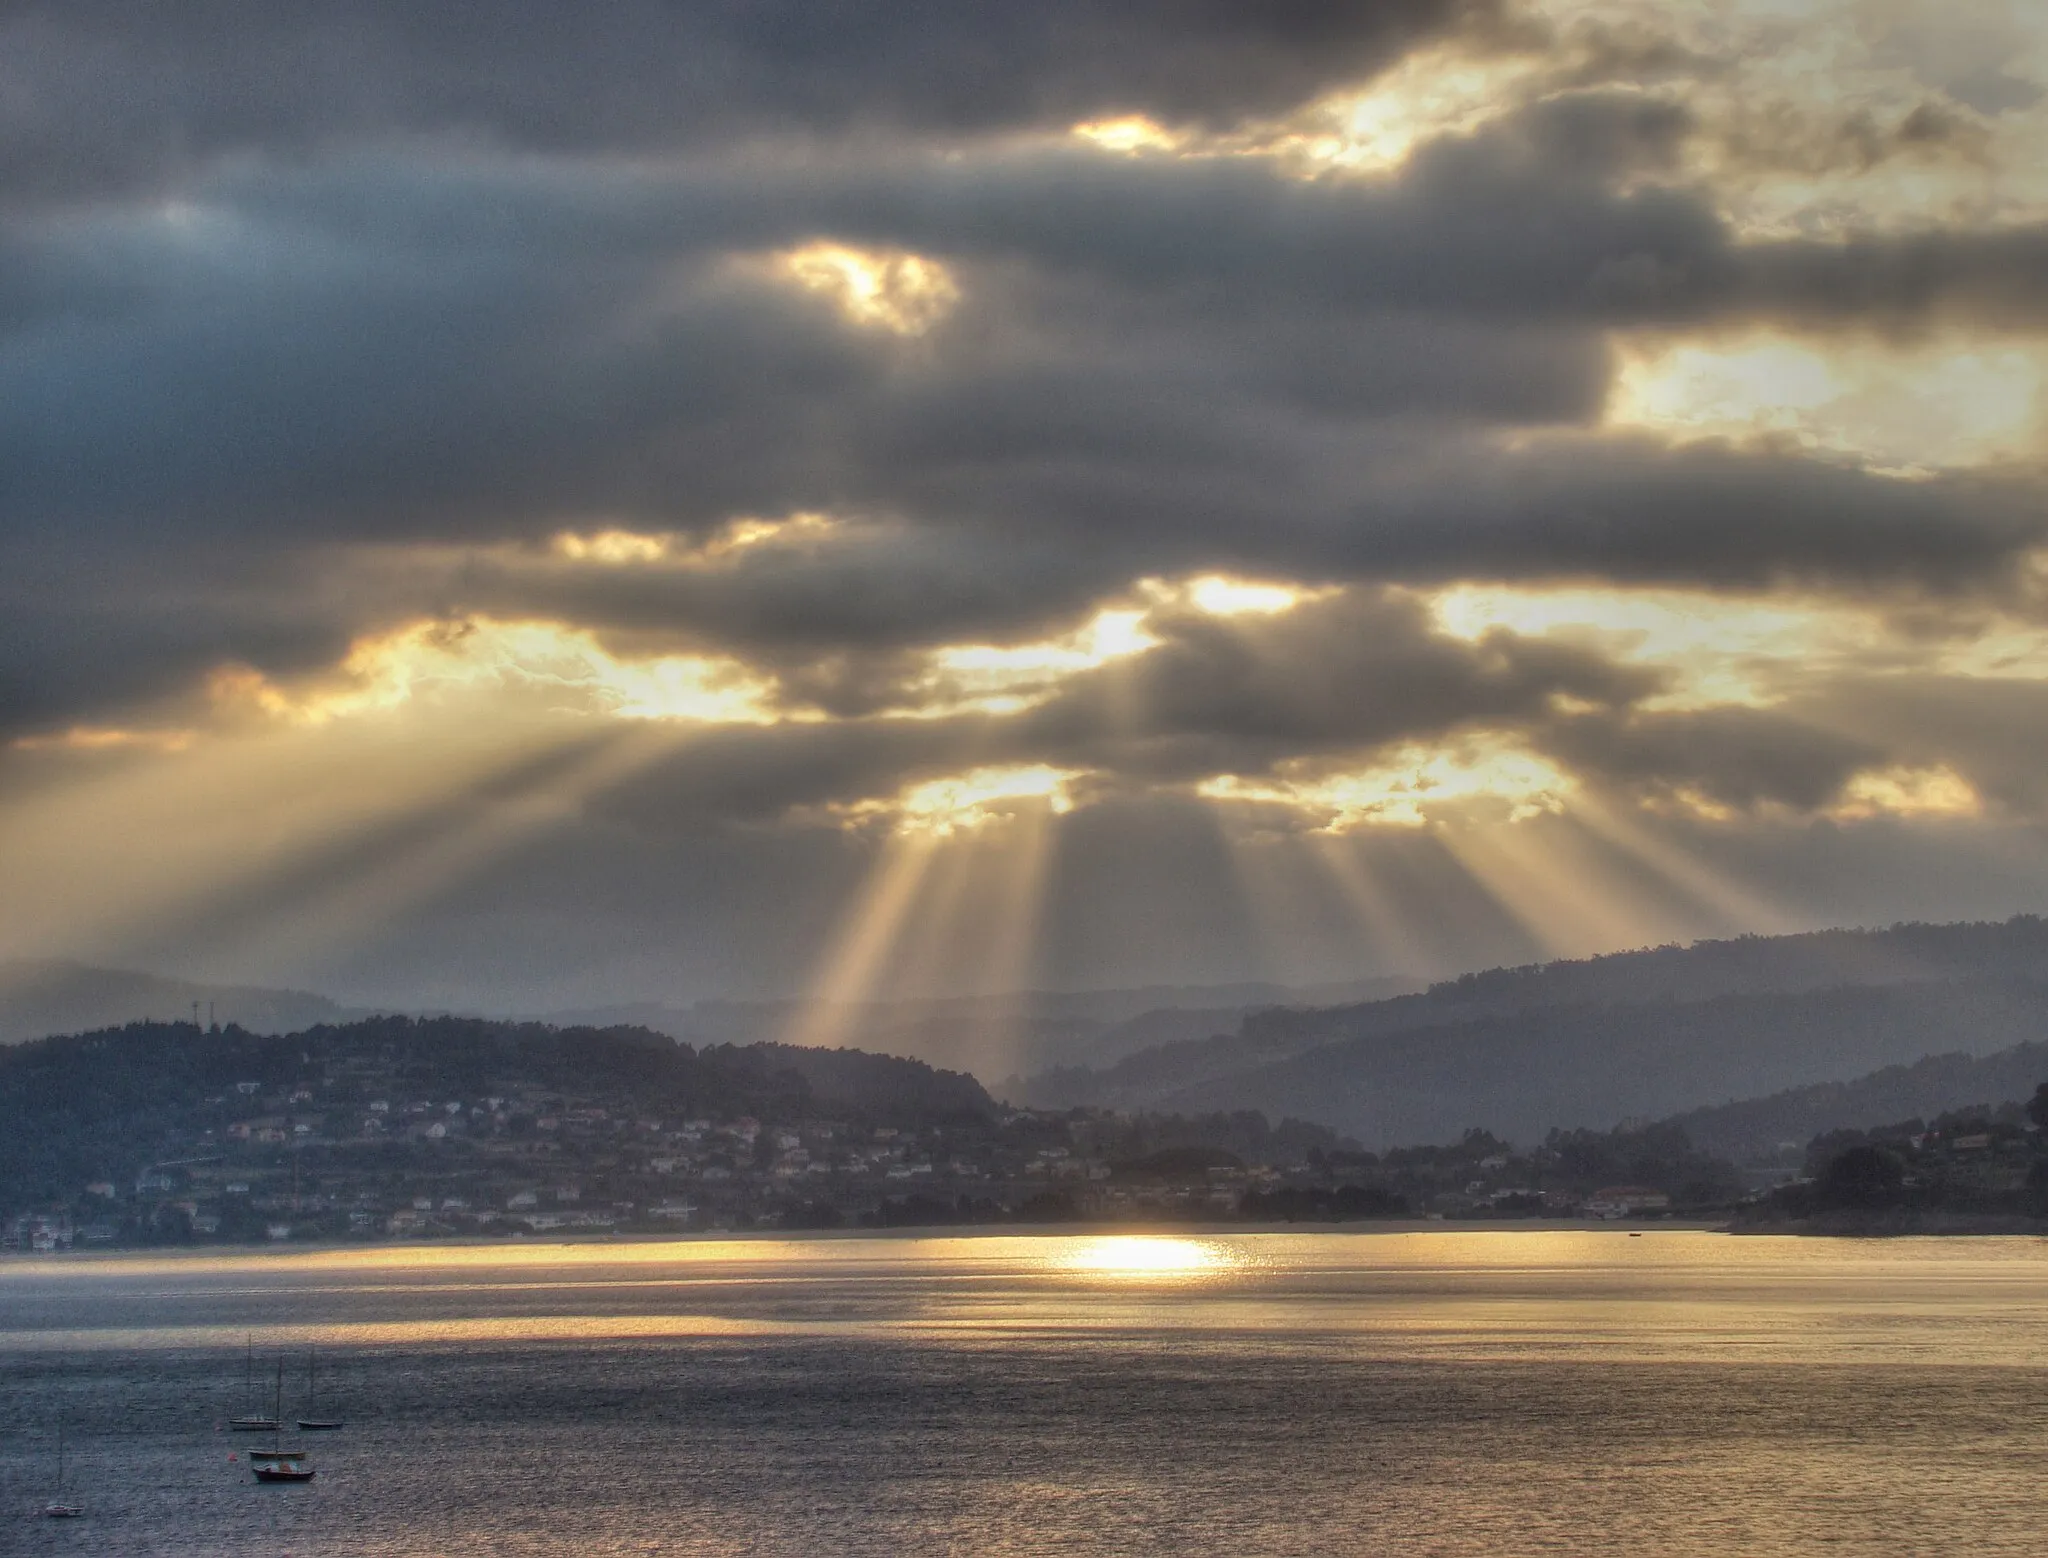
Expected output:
(191, 836)
(1295, 909)
(1736, 907)
(1020, 864)
(929, 950)
(1562, 898)
(860, 947)
(371, 891)
(1344, 860)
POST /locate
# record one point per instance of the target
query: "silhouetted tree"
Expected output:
(1863, 1177)
(2037, 1106)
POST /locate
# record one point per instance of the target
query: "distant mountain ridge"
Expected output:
(988, 1035)
(1650, 1034)
(1596, 1066)
(1594, 1041)
(997, 1035)
(44, 996)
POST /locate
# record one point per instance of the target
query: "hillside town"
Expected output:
(396, 1129)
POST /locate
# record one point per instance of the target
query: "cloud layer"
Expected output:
(872, 395)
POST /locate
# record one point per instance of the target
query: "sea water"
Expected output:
(1582, 1392)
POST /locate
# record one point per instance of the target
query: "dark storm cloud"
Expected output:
(384, 349)
(95, 631)
(754, 775)
(1801, 752)
(1358, 670)
(1991, 730)
(1905, 283)
(1733, 756)
(1159, 366)
(107, 97)
(1345, 675)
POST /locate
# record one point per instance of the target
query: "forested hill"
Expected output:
(1779, 1126)
(2009, 949)
(877, 1086)
(76, 1106)
(2002, 953)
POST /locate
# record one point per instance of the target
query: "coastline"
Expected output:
(1830, 1225)
(1165, 1230)
(1896, 1224)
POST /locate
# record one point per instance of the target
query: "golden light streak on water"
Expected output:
(1145, 1256)
(1567, 1294)
(444, 1331)
(1470, 1393)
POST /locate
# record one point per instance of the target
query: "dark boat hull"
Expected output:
(283, 1473)
(312, 1425)
(253, 1425)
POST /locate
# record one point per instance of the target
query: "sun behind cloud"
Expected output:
(887, 289)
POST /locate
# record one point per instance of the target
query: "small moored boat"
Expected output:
(57, 1508)
(278, 1464)
(252, 1422)
(313, 1425)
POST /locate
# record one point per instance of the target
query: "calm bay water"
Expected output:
(1262, 1394)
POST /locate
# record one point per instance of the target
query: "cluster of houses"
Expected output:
(507, 1164)
(356, 1151)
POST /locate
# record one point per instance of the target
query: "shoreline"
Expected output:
(1897, 1225)
(1156, 1230)
(1837, 1225)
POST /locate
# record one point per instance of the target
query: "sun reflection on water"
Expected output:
(1152, 1256)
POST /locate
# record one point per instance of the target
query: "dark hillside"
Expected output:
(1778, 1127)
(883, 1088)
(1596, 1066)
(1998, 952)
(102, 1105)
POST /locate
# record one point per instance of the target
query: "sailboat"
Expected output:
(308, 1425)
(251, 1422)
(57, 1509)
(276, 1465)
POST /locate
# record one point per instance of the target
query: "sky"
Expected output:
(522, 506)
